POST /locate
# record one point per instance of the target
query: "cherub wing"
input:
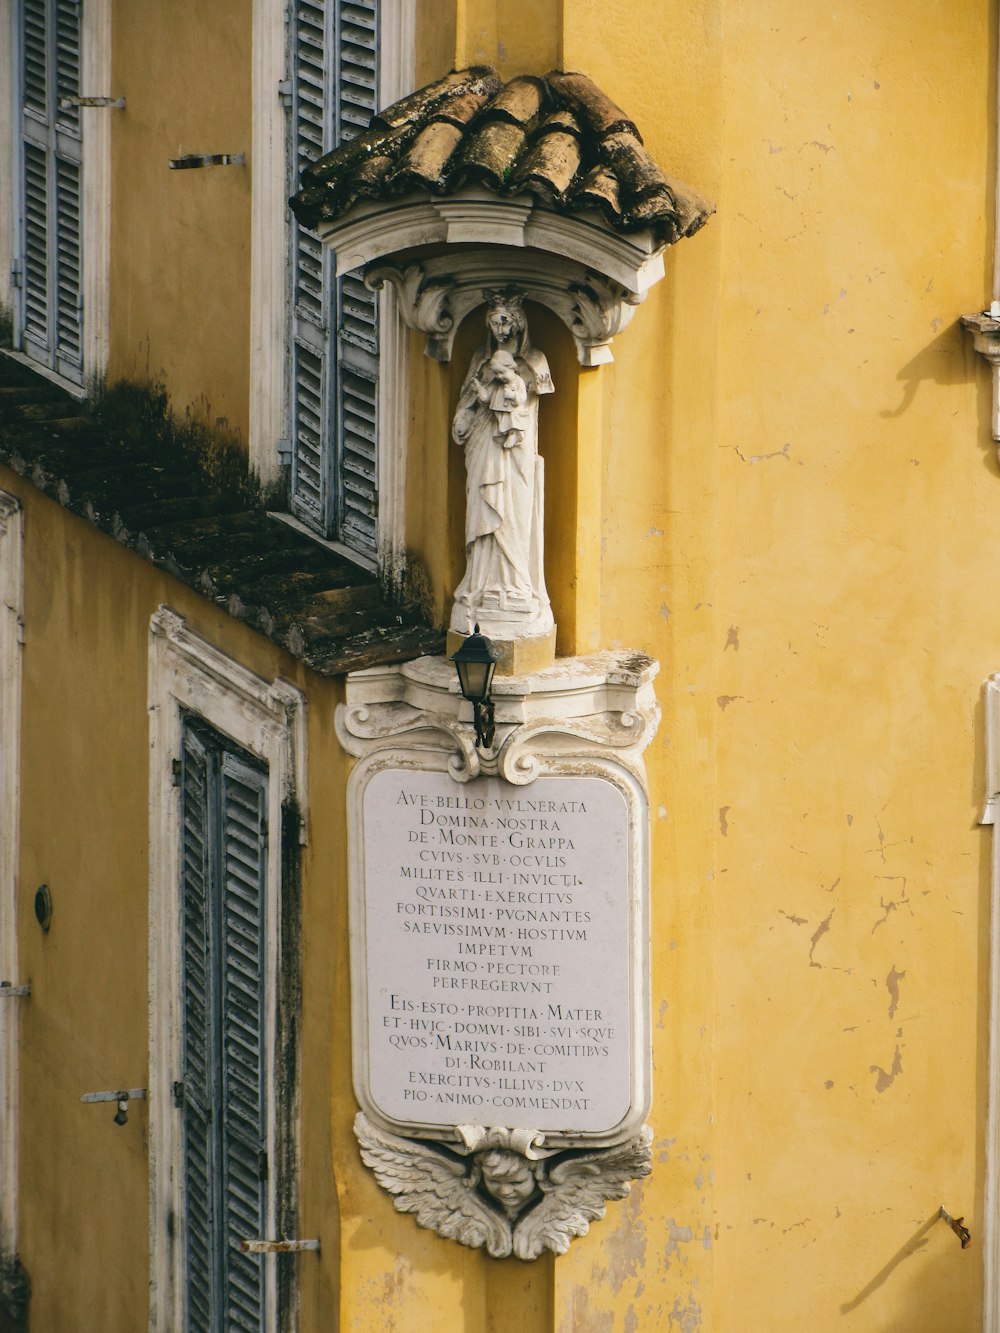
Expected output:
(576, 1192)
(435, 1188)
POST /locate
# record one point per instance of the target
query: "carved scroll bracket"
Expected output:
(597, 707)
(985, 330)
(498, 1197)
(435, 295)
(591, 276)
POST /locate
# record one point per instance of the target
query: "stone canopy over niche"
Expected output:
(539, 183)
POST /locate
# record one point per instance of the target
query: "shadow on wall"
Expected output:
(949, 359)
(927, 1276)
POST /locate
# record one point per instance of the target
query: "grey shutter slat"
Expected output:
(200, 1093)
(244, 814)
(335, 322)
(356, 394)
(36, 247)
(67, 62)
(34, 67)
(67, 283)
(50, 315)
(311, 491)
(224, 822)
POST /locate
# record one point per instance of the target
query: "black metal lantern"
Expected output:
(475, 663)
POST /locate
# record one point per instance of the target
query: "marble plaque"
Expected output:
(496, 966)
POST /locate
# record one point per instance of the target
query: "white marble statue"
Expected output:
(496, 423)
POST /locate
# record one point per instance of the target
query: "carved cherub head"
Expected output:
(509, 1178)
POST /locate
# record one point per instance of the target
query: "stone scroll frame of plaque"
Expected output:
(500, 946)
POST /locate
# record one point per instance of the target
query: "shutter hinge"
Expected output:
(262, 1169)
(285, 92)
(175, 772)
(17, 273)
(284, 451)
(177, 1089)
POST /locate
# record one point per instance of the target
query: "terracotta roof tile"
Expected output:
(559, 138)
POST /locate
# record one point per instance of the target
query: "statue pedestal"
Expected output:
(518, 657)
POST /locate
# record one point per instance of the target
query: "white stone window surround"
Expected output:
(267, 719)
(991, 1203)
(95, 81)
(269, 322)
(11, 637)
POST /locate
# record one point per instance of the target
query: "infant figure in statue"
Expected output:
(496, 423)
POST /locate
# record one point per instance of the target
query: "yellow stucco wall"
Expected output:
(787, 495)
(180, 239)
(84, 1181)
(797, 502)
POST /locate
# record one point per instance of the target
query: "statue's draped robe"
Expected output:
(504, 496)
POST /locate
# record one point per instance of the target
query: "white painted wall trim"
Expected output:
(268, 719)
(991, 1194)
(8, 147)
(96, 122)
(11, 637)
(269, 231)
(397, 77)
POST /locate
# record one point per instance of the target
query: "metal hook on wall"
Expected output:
(957, 1225)
(122, 1097)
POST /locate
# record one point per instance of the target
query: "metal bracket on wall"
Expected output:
(7, 991)
(191, 160)
(123, 1096)
(277, 1246)
(118, 103)
(956, 1223)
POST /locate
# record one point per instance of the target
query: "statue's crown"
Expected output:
(508, 296)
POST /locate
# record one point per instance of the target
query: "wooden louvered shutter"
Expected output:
(224, 822)
(335, 322)
(50, 314)
(201, 1093)
(244, 855)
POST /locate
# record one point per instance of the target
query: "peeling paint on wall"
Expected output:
(817, 935)
(885, 1080)
(892, 985)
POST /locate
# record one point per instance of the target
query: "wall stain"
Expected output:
(676, 1237)
(892, 984)
(732, 639)
(886, 1080)
(795, 920)
(581, 1316)
(817, 935)
(893, 904)
(685, 1315)
(724, 700)
(723, 821)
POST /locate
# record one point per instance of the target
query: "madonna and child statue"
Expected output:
(496, 424)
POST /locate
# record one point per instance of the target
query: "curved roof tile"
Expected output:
(559, 138)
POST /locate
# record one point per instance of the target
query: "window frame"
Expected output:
(270, 357)
(189, 675)
(11, 638)
(95, 189)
